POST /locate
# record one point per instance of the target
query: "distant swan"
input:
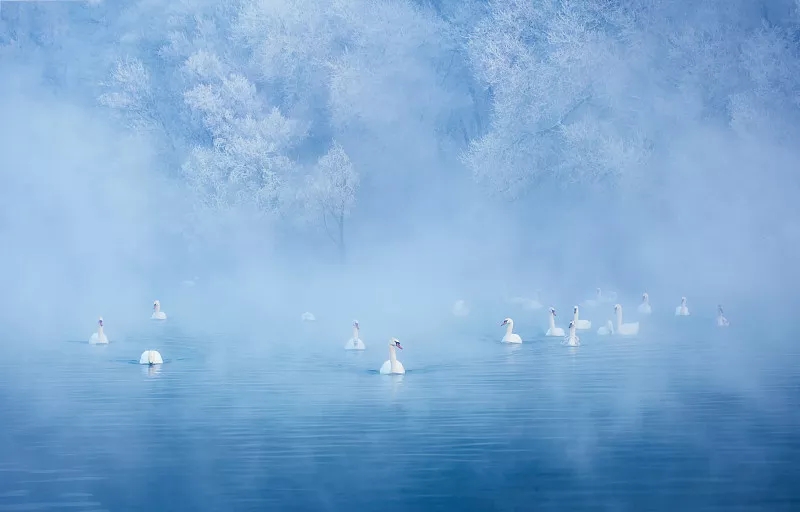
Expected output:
(157, 313)
(644, 307)
(625, 329)
(552, 329)
(580, 324)
(460, 308)
(355, 342)
(307, 317)
(682, 310)
(510, 337)
(721, 320)
(572, 339)
(393, 366)
(99, 338)
(599, 298)
(607, 329)
(151, 357)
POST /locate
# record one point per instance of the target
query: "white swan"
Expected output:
(600, 298)
(682, 310)
(721, 320)
(99, 338)
(625, 329)
(150, 357)
(572, 339)
(644, 307)
(510, 337)
(580, 324)
(393, 366)
(607, 329)
(355, 342)
(460, 308)
(552, 329)
(157, 313)
(307, 317)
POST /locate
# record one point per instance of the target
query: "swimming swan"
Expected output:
(151, 357)
(599, 298)
(607, 329)
(625, 329)
(99, 338)
(572, 339)
(510, 337)
(393, 366)
(355, 342)
(580, 324)
(721, 320)
(157, 313)
(682, 310)
(307, 317)
(644, 307)
(460, 308)
(553, 330)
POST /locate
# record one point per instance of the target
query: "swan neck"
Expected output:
(619, 317)
(355, 333)
(100, 330)
(510, 327)
(552, 321)
(392, 355)
(575, 315)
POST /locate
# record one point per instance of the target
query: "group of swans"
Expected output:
(148, 357)
(390, 367)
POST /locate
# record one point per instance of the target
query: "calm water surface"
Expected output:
(684, 417)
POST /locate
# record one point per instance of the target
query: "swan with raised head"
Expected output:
(580, 324)
(510, 336)
(150, 357)
(607, 329)
(355, 342)
(552, 330)
(307, 317)
(99, 337)
(721, 320)
(572, 339)
(644, 307)
(460, 308)
(393, 366)
(682, 310)
(157, 313)
(630, 329)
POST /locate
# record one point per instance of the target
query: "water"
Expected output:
(685, 417)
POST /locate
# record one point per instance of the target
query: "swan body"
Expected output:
(355, 342)
(99, 338)
(721, 320)
(630, 329)
(644, 307)
(150, 357)
(580, 324)
(607, 329)
(460, 308)
(682, 310)
(307, 317)
(157, 313)
(393, 366)
(510, 336)
(552, 330)
(572, 339)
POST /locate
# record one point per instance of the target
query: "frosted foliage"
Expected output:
(129, 88)
(332, 188)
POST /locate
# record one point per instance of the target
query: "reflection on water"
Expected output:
(616, 424)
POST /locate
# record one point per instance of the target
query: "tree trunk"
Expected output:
(342, 252)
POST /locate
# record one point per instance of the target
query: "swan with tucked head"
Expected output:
(721, 320)
(157, 313)
(99, 337)
(630, 329)
(607, 329)
(682, 310)
(580, 324)
(644, 307)
(151, 357)
(572, 339)
(393, 366)
(510, 336)
(552, 330)
(355, 342)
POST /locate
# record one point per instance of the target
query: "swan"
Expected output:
(682, 310)
(644, 307)
(460, 308)
(607, 329)
(307, 317)
(572, 339)
(99, 338)
(599, 298)
(553, 330)
(393, 366)
(580, 324)
(625, 329)
(510, 337)
(157, 313)
(150, 357)
(721, 320)
(355, 342)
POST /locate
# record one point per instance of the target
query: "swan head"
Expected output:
(506, 322)
(355, 324)
(598, 292)
(719, 308)
(100, 321)
(571, 324)
(395, 343)
(683, 301)
(617, 308)
(552, 311)
(156, 304)
(575, 309)
(645, 296)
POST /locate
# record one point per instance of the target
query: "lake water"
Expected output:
(685, 417)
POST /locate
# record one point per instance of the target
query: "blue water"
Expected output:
(685, 417)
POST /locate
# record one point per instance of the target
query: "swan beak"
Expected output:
(398, 346)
